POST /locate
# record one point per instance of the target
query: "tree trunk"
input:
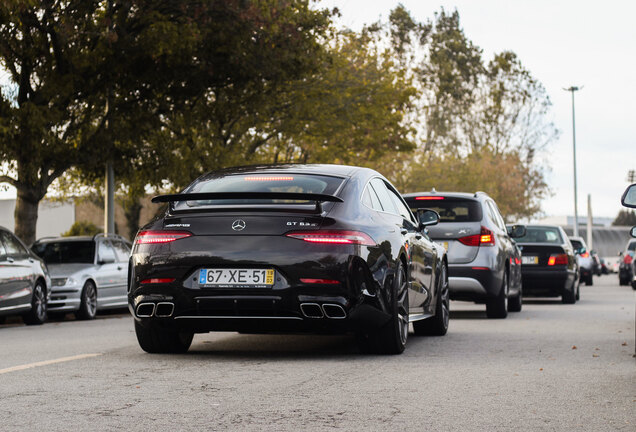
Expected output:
(132, 210)
(26, 214)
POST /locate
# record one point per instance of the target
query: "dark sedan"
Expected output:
(24, 281)
(288, 248)
(549, 266)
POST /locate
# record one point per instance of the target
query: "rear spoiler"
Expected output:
(201, 196)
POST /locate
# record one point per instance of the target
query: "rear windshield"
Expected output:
(576, 244)
(541, 235)
(449, 209)
(66, 252)
(297, 183)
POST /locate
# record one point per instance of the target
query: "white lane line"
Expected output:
(48, 362)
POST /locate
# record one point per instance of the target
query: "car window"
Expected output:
(12, 245)
(122, 250)
(497, 214)
(450, 209)
(383, 194)
(105, 251)
(631, 246)
(402, 209)
(66, 252)
(539, 234)
(492, 214)
(373, 196)
(576, 244)
(2, 251)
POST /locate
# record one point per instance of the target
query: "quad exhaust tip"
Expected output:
(145, 310)
(164, 309)
(326, 310)
(311, 310)
(160, 310)
(334, 311)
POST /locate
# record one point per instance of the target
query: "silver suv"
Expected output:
(484, 263)
(87, 273)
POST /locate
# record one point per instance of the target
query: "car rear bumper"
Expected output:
(546, 282)
(473, 284)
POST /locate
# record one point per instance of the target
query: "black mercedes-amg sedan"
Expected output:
(288, 249)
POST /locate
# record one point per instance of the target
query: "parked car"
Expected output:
(24, 281)
(586, 261)
(288, 248)
(605, 268)
(597, 266)
(549, 264)
(87, 273)
(484, 265)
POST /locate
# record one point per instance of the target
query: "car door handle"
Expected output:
(119, 267)
(418, 236)
(9, 259)
(403, 230)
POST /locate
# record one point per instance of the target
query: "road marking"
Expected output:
(48, 362)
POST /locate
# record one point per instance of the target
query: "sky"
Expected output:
(563, 43)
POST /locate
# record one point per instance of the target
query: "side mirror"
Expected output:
(427, 217)
(629, 197)
(516, 231)
(632, 232)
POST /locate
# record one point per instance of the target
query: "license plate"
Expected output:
(529, 260)
(236, 278)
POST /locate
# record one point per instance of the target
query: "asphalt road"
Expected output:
(549, 367)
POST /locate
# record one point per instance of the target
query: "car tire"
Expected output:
(634, 285)
(515, 303)
(589, 281)
(162, 340)
(88, 302)
(37, 314)
(3, 319)
(578, 291)
(569, 296)
(391, 338)
(498, 307)
(437, 325)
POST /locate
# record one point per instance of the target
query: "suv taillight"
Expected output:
(485, 238)
(333, 237)
(158, 237)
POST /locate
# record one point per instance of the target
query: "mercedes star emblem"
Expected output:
(238, 225)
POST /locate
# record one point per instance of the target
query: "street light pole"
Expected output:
(572, 89)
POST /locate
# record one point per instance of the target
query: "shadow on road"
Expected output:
(468, 314)
(542, 301)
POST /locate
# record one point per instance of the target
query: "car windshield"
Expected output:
(541, 235)
(66, 252)
(449, 209)
(296, 183)
(631, 246)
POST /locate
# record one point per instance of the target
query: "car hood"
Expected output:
(65, 270)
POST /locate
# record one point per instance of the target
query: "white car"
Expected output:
(586, 262)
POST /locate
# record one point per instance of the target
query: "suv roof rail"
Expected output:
(109, 235)
(480, 192)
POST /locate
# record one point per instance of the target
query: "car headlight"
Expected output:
(71, 282)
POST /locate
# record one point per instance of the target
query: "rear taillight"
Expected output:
(484, 238)
(558, 259)
(156, 237)
(585, 255)
(333, 237)
(429, 198)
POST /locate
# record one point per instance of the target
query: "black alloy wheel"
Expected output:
(88, 303)
(498, 307)
(162, 340)
(437, 325)
(391, 339)
(37, 314)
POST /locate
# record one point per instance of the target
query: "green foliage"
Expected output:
(82, 228)
(625, 217)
